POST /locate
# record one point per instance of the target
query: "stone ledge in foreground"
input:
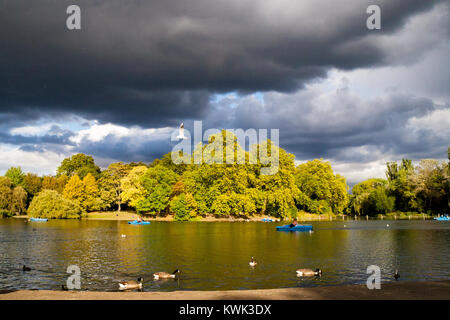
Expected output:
(427, 290)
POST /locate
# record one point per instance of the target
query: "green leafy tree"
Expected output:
(431, 180)
(233, 204)
(52, 205)
(133, 191)
(110, 184)
(368, 186)
(166, 161)
(379, 202)
(184, 207)
(16, 175)
(324, 190)
(32, 184)
(401, 185)
(238, 187)
(371, 197)
(5, 196)
(158, 184)
(18, 200)
(54, 183)
(79, 164)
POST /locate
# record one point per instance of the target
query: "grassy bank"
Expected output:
(131, 215)
(301, 216)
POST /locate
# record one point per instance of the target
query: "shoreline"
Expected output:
(302, 218)
(426, 290)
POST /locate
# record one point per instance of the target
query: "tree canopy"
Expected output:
(16, 175)
(424, 188)
(321, 190)
(79, 164)
(51, 204)
(262, 180)
(85, 192)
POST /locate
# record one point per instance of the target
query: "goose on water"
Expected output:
(308, 272)
(165, 275)
(129, 285)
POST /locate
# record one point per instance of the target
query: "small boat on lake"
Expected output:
(443, 218)
(267, 220)
(299, 227)
(39, 219)
(139, 222)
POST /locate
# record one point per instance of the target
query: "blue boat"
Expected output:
(267, 220)
(39, 219)
(443, 218)
(138, 222)
(299, 227)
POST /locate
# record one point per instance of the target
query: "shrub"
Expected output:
(5, 214)
(51, 204)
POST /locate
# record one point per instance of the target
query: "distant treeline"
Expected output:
(190, 190)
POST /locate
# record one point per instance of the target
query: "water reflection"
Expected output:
(214, 256)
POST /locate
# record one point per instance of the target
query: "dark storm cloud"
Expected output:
(340, 125)
(125, 149)
(48, 138)
(152, 63)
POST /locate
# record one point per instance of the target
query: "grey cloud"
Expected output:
(314, 125)
(154, 62)
(126, 149)
(32, 148)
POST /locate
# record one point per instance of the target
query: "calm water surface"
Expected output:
(215, 255)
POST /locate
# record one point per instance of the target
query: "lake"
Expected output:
(215, 255)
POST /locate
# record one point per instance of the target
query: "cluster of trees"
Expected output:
(190, 190)
(424, 188)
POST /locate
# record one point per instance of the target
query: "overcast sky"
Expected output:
(117, 88)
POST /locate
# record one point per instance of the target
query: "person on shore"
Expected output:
(293, 224)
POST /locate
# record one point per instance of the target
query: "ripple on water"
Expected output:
(215, 256)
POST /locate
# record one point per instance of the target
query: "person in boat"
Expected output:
(293, 224)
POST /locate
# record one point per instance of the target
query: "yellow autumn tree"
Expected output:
(84, 191)
(74, 189)
(91, 193)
